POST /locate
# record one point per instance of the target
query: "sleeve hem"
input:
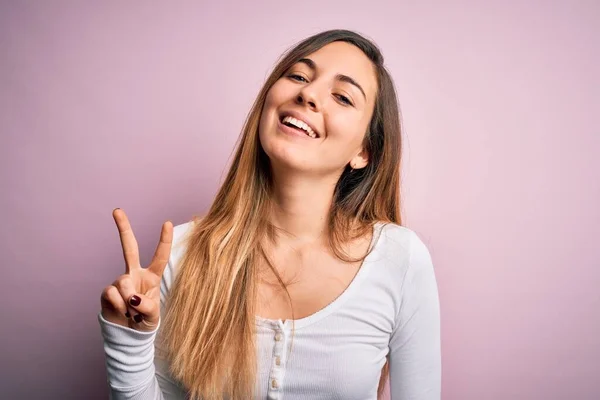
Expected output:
(110, 331)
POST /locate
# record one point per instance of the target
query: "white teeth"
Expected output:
(301, 125)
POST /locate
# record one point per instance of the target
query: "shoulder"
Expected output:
(409, 270)
(403, 254)
(181, 233)
(401, 243)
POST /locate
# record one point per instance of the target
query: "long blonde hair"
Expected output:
(209, 326)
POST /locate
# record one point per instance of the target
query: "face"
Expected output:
(316, 115)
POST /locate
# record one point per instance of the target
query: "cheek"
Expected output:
(276, 95)
(269, 108)
(268, 118)
(273, 100)
(347, 128)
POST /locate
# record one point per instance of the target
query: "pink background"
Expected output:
(138, 106)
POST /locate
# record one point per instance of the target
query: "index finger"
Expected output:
(163, 250)
(131, 251)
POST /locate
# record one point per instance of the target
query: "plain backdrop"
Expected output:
(138, 105)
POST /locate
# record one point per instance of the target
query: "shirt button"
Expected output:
(274, 384)
(278, 337)
(278, 361)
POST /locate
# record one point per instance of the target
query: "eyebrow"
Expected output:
(340, 77)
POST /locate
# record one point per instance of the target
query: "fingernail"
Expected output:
(127, 314)
(135, 300)
(137, 318)
(116, 209)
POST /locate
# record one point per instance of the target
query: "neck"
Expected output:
(301, 206)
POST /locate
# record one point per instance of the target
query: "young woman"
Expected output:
(300, 282)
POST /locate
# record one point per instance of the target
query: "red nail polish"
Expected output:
(137, 318)
(135, 300)
(127, 314)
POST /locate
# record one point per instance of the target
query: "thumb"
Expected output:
(148, 312)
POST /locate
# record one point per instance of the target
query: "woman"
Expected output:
(300, 282)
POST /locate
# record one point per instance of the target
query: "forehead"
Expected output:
(347, 59)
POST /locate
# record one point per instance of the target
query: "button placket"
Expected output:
(277, 369)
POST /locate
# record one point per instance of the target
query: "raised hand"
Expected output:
(133, 300)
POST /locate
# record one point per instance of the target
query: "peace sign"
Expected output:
(133, 300)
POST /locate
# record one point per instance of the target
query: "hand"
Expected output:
(133, 300)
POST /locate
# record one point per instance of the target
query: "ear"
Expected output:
(360, 160)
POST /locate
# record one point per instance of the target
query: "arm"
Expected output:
(415, 351)
(134, 369)
(129, 362)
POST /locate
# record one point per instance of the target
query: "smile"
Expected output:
(294, 131)
(297, 124)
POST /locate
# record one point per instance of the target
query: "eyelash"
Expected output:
(341, 98)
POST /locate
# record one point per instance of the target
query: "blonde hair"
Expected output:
(208, 329)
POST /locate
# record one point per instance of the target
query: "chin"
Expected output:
(284, 153)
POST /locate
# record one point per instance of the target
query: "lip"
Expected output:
(300, 117)
(293, 131)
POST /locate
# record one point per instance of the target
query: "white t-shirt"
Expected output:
(390, 308)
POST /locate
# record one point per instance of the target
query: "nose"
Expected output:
(308, 97)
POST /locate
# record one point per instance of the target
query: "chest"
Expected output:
(331, 358)
(313, 280)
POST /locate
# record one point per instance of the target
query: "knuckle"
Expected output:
(110, 297)
(122, 282)
(106, 292)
